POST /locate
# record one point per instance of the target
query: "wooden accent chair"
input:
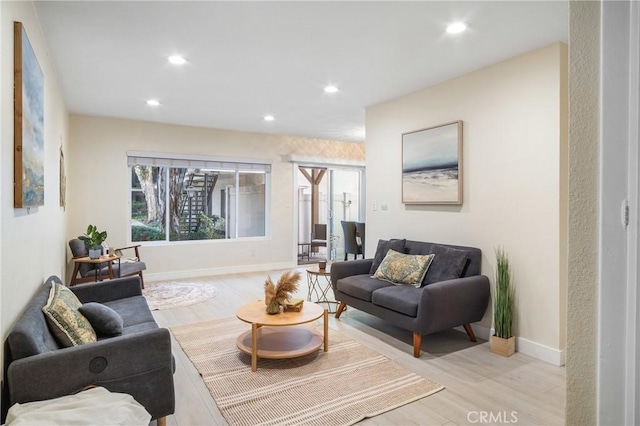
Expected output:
(87, 271)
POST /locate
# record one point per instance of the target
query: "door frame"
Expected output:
(328, 164)
(618, 350)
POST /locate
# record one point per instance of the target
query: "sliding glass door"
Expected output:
(346, 203)
(328, 195)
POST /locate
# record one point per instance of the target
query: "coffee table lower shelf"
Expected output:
(281, 342)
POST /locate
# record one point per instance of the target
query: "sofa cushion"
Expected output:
(145, 326)
(400, 268)
(381, 252)
(448, 264)
(65, 321)
(403, 299)
(133, 310)
(361, 286)
(103, 319)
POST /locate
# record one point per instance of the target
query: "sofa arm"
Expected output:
(346, 269)
(116, 362)
(448, 304)
(106, 291)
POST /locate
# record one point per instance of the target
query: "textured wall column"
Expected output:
(582, 289)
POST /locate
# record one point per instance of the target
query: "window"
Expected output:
(177, 199)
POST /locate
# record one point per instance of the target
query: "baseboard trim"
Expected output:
(525, 346)
(540, 351)
(194, 273)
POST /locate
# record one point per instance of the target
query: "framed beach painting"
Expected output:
(432, 165)
(28, 123)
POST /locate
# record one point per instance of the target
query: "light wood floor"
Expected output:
(517, 390)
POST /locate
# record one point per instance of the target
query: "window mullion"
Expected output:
(167, 205)
(237, 203)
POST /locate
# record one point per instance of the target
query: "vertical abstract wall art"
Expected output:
(432, 165)
(28, 123)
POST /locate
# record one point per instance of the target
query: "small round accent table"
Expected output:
(318, 287)
(274, 336)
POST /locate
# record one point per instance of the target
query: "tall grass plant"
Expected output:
(503, 308)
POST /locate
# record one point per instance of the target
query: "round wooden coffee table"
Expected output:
(274, 336)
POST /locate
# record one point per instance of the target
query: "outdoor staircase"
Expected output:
(196, 190)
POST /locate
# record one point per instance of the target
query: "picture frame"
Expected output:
(432, 165)
(28, 123)
(63, 181)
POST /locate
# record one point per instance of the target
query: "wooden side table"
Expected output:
(102, 259)
(319, 287)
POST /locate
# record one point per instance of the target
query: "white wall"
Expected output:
(99, 189)
(582, 300)
(513, 134)
(32, 242)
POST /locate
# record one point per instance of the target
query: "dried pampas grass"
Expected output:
(269, 290)
(287, 285)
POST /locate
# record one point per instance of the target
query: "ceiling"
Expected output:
(251, 59)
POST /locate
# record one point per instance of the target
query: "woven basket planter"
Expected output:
(504, 347)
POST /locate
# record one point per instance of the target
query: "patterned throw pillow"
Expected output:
(66, 323)
(400, 268)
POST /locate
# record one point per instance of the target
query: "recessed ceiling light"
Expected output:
(177, 60)
(153, 102)
(269, 118)
(456, 27)
(331, 89)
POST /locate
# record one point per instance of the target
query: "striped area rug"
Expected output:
(339, 387)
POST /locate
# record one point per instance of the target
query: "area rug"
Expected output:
(339, 387)
(173, 294)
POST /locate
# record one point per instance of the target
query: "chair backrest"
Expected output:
(350, 242)
(361, 234)
(78, 249)
(319, 231)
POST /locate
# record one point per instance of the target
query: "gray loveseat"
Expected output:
(446, 299)
(138, 362)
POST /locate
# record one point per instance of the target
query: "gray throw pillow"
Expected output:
(383, 248)
(448, 264)
(103, 319)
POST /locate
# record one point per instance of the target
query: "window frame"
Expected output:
(240, 165)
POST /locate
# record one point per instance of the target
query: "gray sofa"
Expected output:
(138, 362)
(458, 300)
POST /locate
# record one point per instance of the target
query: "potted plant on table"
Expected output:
(503, 341)
(93, 240)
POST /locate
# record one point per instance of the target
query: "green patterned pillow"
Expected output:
(66, 323)
(400, 268)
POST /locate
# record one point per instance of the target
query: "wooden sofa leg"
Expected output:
(341, 307)
(161, 421)
(417, 342)
(469, 330)
(141, 279)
